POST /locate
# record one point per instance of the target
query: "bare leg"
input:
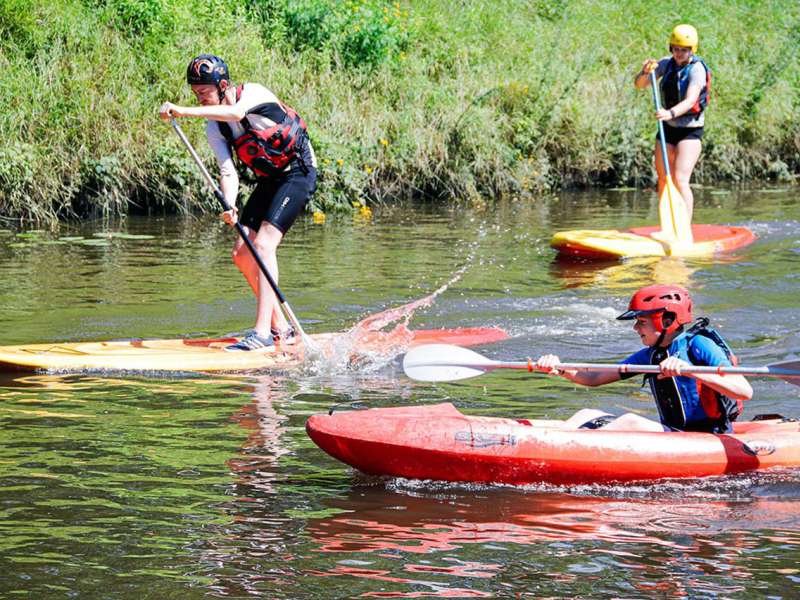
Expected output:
(662, 177)
(633, 422)
(245, 262)
(266, 241)
(686, 157)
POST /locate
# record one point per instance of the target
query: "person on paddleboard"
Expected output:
(271, 140)
(686, 402)
(685, 90)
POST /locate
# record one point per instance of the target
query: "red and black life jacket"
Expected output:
(675, 83)
(268, 151)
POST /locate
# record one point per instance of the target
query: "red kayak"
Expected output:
(439, 442)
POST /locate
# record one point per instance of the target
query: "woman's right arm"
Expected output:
(642, 79)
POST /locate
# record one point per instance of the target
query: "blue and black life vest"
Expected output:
(684, 403)
(268, 151)
(675, 83)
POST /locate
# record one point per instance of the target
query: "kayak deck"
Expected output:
(639, 241)
(438, 442)
(210, 355)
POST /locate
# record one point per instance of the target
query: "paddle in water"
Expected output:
(307, 341)
(444, 362)
(676, 227)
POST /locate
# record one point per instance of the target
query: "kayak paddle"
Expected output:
(307, 341)
(444, 362)
(676, 227)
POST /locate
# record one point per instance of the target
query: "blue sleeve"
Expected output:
(704, 351)
(642, 357)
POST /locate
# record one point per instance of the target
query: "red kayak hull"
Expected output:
(438, 442)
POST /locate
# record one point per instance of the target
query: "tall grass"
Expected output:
(427, 99)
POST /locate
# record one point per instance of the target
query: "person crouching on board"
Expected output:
(685, 89)
(271, 140)
(686, 402)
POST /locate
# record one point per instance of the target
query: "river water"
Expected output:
(197, 486)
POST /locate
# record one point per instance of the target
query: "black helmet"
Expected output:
(207, 68)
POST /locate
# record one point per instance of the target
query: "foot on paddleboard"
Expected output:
(252, 341)
(287, 337)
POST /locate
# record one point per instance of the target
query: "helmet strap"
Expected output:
(222, 92)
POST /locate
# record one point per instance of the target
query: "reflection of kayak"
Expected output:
(365, 520)
(610, 244)
(439, 442)
(208, 354)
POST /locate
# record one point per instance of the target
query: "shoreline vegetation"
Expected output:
(431, 99)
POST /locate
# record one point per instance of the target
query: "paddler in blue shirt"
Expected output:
(686, 402)
(685, 88)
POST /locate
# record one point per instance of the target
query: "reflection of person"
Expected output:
(271, 140)
(685, 87)
(686, 402)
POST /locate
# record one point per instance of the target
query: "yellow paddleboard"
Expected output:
(209, 354)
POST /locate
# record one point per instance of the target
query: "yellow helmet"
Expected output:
(685, 36)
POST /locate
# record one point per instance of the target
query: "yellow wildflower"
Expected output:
(340, 161)
(319, 217)
(384, 142)
(365, 212)
(368, 170)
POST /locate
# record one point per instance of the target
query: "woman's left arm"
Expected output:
(682, 107)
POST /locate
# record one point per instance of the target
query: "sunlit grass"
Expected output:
(434, 98)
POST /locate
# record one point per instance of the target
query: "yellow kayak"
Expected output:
(209, 354)
(639, 241)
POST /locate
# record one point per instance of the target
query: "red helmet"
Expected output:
(207, 68)
(659, 300)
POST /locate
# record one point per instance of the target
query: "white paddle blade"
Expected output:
(444, 362)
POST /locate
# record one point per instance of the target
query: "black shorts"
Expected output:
(674, 135)
(279, 200)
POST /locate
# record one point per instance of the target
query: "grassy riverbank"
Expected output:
(424, 98)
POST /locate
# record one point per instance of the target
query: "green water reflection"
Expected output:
(184, 487)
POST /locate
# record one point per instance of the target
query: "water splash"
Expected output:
(368, 345)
